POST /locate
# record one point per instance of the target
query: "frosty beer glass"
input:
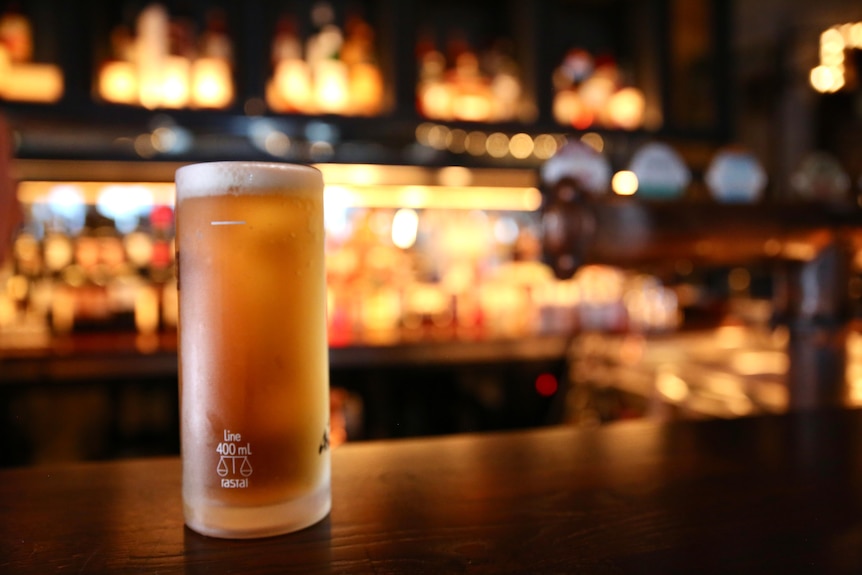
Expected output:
(254, 379)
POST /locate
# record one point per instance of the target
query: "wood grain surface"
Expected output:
(779, 494)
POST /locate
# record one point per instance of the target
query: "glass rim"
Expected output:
(239, 177)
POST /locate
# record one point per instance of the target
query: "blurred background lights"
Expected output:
(624, 183)
(124, 204)
(422, 131)
(67, 203)
(337, 197)
(211, 84)
(594, 140)
(521, 146)
(405, 227)
(626, 108)
(497, 145)
(263, 133)
(414, 196)
(456, 141)
(831, 41)
(546, 384)
(545, 146)
(455, 176)
(277, 143)
(337, 202)
(118, 82)
(171, 139)
(322, 132)
(321, 151)
(437, 137)
(828, 76)
(475, 143)
(506, 230)
(826, 79)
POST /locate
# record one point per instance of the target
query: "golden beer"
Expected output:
(254, 379)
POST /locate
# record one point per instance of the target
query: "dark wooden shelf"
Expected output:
(74, 35)
(117, 356)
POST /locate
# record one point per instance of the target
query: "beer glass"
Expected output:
(254, 376)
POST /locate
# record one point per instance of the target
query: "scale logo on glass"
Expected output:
(234, 467)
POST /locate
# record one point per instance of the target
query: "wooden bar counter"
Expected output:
(778, 494)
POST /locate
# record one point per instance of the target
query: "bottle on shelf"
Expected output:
(163, 64)
(335, 72)
(22, 79)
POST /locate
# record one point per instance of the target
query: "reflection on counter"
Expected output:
(729, 371)
(733, 370)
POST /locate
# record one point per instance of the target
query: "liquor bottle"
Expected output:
(16, 34)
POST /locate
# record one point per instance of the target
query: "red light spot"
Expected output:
(584, 120)
(546, 385)
(162, 253)
(162, 217)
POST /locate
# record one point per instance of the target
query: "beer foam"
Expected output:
(242, 178)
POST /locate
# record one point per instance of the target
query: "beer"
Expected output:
(254, 389)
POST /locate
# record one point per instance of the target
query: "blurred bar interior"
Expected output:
(544, 212)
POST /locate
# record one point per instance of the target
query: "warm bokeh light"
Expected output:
(147, 310)
(118, 83)
(826, 79)
(366, 89)
(405, 227)
(545, 146)
(475, 143)
(828, 76)
(596, 92)
(472, 107)
(437, 136)
(566, 107)
(456, 141)
(175, 89)
(594, 140)
(331, 86)
(32, 82)
(626, 108)
(831, 41)
(440, 197)
(670, 385)
(463, 88)
(752, 363)
(739, 279)
(291, 85)
(69, 197)
(497, 145)
(521, 146)
(212, 86)
(147, 71)
(624, 183)
(80, 193)
(455, 176)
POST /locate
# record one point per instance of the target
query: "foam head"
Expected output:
(243, 178)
